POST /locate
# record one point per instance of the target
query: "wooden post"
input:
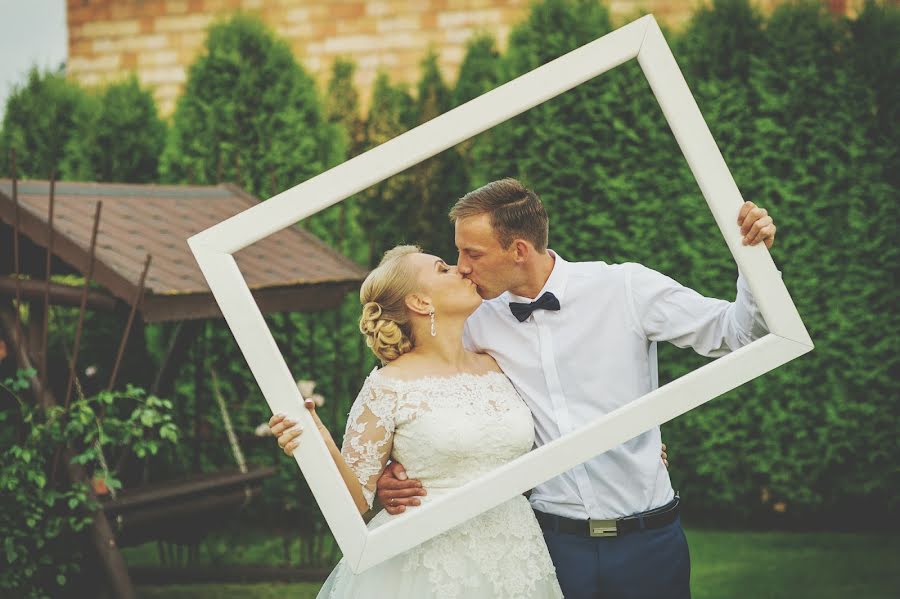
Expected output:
(184, 335)
(199, 371)
(16, 257)
(138, 295)
(81, 310)
(337, 372)
(47, 272)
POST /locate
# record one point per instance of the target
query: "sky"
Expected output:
(32, 32)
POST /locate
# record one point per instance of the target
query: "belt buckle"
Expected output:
(602, 528)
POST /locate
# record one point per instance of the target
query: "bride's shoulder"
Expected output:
(408, 368)
(404, 368)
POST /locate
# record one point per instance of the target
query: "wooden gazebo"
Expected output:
(130, 241)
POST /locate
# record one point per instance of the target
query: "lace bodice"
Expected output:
(445, 431)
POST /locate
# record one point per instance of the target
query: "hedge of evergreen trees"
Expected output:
(802, 104)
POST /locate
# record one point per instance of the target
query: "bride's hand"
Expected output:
(287, 430)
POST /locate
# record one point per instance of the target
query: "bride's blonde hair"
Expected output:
(385, 320)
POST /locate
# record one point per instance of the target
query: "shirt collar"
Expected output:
(556, 282)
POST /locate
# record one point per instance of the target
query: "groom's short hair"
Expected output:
(515, 212)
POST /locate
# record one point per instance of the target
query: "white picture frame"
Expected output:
(641, 39)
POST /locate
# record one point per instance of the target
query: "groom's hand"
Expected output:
(395, 491)
(756, 225)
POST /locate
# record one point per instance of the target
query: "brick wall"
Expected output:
(158, 39)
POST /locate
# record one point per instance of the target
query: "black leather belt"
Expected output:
(656, 518)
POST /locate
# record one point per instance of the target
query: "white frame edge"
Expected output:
(213, 249)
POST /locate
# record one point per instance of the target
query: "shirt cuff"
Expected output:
(749, 317)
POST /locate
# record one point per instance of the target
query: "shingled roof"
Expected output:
(291, 270)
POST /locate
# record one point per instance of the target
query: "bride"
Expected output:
(449, 415)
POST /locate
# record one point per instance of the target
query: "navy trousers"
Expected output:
(647, 564)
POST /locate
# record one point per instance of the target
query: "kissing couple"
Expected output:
(509, 349)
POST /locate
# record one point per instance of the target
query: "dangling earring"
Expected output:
(433, 330)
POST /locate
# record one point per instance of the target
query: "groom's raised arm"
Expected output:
(664, 310)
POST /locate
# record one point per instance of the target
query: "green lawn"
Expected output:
(757, 565)
(794, 565)
(231, 591)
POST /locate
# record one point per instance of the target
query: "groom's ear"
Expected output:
(522, 250)
(418, 303)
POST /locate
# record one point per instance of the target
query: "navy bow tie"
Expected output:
(522, 311)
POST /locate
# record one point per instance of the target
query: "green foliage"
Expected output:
(480, 70)
(339, 225)
(112, 134)
(42, 516)
(250, 114)
(43, 120)
(723, 40)
(122, 141)
(440, 180)
(385, 205)
(796, 127)
(342, 105)
(875, 55)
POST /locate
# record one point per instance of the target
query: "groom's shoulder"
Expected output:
(601, 272)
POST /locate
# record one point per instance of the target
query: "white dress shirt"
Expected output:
(596, 354)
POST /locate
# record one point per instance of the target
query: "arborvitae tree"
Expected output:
(123, 140)
(42, 118)
(250, 114)
(340, 224)
(479, 73)
(722, 41)
(440, 180)
(809, 158)
(342, 105)
(875, 53)
(480, 69)
(821, 169)
(553, 28)
(385, 207)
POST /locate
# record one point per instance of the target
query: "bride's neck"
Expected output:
(446, 346)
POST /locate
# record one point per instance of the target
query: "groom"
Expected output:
(578, 340)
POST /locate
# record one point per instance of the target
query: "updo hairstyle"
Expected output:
(385, 321)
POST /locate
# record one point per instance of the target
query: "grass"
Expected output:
(231, 591)
(725, 565)
(776, 565)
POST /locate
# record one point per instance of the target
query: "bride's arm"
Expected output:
(367, 442)
(347, 473)
(286, 434)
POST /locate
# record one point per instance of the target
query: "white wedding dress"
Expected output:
(447, 431)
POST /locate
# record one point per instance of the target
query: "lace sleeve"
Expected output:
(369, 436)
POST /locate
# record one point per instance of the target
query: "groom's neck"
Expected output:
(536, 273)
